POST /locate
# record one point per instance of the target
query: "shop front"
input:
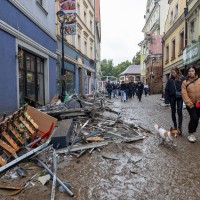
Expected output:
(69, 78)
(191, 56)
(31, 78)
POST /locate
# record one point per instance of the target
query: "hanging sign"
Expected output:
(69, 8)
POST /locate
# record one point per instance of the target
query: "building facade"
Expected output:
(79, 64)
(151, 46)
(98, 44)
(131, 74)
(174, 38)
(27, 53)
(191, 54)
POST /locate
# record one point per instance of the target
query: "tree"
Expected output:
(136, 59)
(120, 68)
(106, 67)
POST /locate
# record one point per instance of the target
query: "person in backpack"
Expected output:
(176, 102)
(191, 97)
(109, 88)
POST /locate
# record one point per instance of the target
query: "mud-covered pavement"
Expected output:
(160, 173)
(142, 170)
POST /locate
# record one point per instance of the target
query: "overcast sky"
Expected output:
(121, 25)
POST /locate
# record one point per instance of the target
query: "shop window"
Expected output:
(31, 79)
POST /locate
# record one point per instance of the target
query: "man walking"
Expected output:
(140, 88)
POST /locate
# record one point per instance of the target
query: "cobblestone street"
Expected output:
(159, 172)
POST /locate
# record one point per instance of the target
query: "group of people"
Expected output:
(127, 90)
(181, 89)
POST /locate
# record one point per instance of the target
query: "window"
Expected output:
(78, 9)
(85, 18)
(73, 39)
(167, 55)
(173, 49)
(85, 46)
(176, 11)
(171, 18)
(79, 42)
(91, 52)
(90, 25)
(192, 31)
(31, 78)
(181, 43)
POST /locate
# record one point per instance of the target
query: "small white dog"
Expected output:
(167, 136)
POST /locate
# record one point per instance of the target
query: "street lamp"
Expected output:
(61, 18)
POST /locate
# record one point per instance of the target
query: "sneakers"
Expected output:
(191, 138)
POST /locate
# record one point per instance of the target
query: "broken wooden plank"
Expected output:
(31, 120)
(16, 134)
(7, 147)
(18, 126)
(134, 139)
(84, 137)
(10, 140)
(95, 139)
(2, 161)
(83, 147)
(26, 124)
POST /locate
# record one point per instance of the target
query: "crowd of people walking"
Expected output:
(126, 90)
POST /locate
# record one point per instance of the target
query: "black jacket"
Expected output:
(123, 86)
(171, 87)
(140, 87)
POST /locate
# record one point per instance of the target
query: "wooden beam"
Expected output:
(16, 134)
(10, 140)
(2, 161)
(7, 147)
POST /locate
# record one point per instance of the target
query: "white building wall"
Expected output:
(44, 15)
(164, 7)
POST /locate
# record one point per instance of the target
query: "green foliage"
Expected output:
(108, 68)
(136, 59)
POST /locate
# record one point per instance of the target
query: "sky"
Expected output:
(122, 22)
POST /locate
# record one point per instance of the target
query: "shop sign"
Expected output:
(191, 54)
(69, 8)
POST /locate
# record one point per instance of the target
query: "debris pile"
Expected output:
(50, 134)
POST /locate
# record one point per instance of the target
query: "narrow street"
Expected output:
(160, 173)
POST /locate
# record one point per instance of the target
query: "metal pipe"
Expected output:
(58, 180)
(63, 54)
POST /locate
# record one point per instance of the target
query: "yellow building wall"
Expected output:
(181, 6)
(176, 33)
(84, 30)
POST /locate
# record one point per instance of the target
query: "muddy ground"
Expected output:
(142, 170)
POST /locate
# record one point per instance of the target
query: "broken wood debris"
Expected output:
(83, 147)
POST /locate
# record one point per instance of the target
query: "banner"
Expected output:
(69, 8)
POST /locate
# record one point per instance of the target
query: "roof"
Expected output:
(132, 69)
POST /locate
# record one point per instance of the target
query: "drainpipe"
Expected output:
(95, 51)
(186, 33)
(162, 65)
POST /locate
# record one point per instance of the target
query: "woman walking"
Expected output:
(173, 96)
(191, 97)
